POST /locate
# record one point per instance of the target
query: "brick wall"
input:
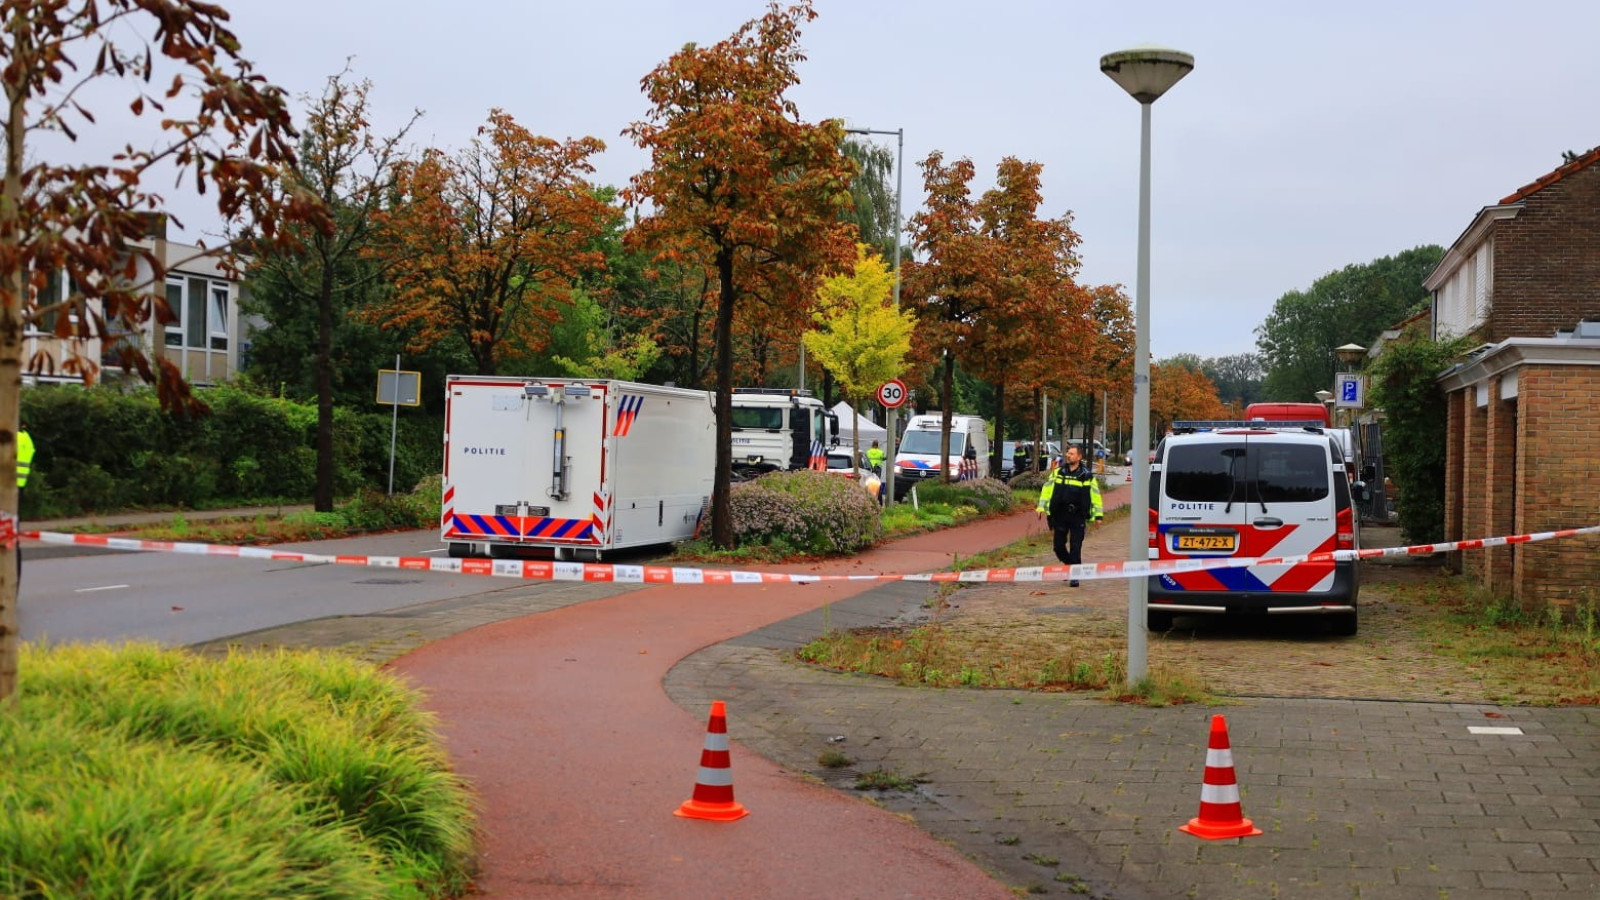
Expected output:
(1474, 509)
(1547, 260)
(1559, 483)
(1499, 488)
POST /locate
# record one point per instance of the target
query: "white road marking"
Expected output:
(1484, 729)
(438, 550)
(103, 587)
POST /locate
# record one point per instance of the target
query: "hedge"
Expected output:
(100, 450)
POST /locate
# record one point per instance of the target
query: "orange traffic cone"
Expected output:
(1220, 814)
(1129, 479)
(713, 787)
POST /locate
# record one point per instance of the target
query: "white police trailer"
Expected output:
(573, 467)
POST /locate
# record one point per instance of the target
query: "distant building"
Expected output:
(1522, 456)
(204, 343)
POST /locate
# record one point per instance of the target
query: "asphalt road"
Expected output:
(182, 599)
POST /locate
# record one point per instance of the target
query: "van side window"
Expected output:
(1288, 473)
(1203, 473)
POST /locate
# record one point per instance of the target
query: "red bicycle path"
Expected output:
(560, 722)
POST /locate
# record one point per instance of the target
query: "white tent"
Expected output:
(852, 422)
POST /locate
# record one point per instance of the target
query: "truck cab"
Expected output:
(778, 429)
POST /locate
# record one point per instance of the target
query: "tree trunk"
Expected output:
(721, 503)
(997, 452)
(323, 498)
(949, 389)
(11, 384)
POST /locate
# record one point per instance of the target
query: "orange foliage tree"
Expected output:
(222, 127)
(1038, 314)
(485, 247)
(738, 183)
(1178, 393)
(951, 288)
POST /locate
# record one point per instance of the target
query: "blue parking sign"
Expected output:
(1349, 395)
(1350, 391)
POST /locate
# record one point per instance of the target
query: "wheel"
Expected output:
(1345, 625)
(1158, 621)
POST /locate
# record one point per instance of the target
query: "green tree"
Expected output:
(328, 271)
(863, 340)
(872, 189)
(1237, 377)
(1416, 426)
(1352, 305)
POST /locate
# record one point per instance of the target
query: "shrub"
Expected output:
(1028, 481)
(987, 495)
(346, 747)
(811, 512)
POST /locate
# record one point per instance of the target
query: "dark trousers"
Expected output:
(1069, 541)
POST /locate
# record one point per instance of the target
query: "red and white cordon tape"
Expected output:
(545, 570)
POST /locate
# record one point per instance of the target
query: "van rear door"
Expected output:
(1199, 514)
(1289, 510)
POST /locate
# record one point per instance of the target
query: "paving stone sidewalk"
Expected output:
(1066, 794)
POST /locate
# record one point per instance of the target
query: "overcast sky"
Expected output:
(1308, 136)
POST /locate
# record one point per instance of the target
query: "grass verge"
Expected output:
(142, 772)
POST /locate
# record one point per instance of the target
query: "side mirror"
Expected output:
(1361, 492)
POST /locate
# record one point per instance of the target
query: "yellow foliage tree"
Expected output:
(862, 338)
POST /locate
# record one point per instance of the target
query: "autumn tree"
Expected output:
(950, 289)
(328, 271)
(485, 247)
(739, 184)
(1036, 307)
(1178, 393)
(221, 127)
(862, 339)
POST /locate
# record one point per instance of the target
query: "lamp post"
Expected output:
(899, 180)
(1326, 399)
(1145, 73)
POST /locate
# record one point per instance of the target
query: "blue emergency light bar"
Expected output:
(1267, 424)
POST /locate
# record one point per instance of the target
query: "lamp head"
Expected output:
(1349, 353)
(1147, 72)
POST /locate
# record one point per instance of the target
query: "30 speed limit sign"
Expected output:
(892, 393)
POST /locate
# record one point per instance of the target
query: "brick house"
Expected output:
(1524, 278)
(205, 343)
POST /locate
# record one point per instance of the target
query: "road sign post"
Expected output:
(397, 389)
(892, 395)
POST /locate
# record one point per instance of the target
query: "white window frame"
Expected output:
(214, 303)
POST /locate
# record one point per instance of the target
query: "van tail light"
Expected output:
(1344, 530)
(1154, 537)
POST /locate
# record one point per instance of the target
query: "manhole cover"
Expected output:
(1060, 610)
(390, 581)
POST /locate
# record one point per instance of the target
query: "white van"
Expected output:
(1246, 489)
(917, 458)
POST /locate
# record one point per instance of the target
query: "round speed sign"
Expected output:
(892, 393)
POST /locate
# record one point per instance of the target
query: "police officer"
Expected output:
(24, 467)
(1069, 501)
(875, 458)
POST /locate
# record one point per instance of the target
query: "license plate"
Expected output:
(1206, 542)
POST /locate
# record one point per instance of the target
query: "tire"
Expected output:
(1346, 624)
(1158, 621)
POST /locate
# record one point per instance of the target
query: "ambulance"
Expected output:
(1251, 489)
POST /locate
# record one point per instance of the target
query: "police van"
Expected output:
(1251, 489)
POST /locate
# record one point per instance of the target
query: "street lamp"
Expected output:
(899, 180)
(1326, 399)
(1145, 73)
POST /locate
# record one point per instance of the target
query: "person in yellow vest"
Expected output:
(1069, 501)
(875, 458)
(24, 468)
